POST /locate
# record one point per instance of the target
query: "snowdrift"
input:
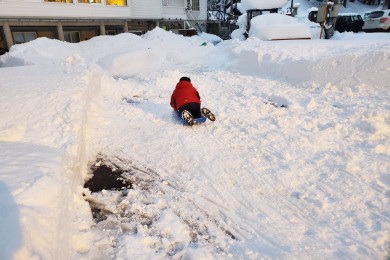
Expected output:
(314, 61)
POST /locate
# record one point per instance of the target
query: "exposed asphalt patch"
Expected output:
(105, 178)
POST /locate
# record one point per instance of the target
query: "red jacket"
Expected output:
(184, 93)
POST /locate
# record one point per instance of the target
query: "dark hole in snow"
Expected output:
(104, 178)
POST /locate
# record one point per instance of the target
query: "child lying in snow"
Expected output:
(186, 100)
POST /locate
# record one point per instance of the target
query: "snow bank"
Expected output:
(312, 61)
(43, 132)
(31, 194)
(99, 48)
(149, 55)
(120, 54)
(214, 39)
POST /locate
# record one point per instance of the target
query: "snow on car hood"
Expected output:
(278, 26)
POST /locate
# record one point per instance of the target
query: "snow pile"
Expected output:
(278, 26)
(314, 61)
(124, 49)
(155, 52)
(240, 32)
(42, 157)
(295, 166)
(206, 37)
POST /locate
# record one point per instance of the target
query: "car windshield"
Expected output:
(376, 14)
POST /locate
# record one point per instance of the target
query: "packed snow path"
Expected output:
(295, 166)
(277, 175)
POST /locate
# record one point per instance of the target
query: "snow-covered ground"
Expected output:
(296, 166)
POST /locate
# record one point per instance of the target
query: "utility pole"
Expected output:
(334, 12)
(330, 17)
(325, 14)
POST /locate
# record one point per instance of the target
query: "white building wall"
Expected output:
(146, 9)
(172, 9)
(177, 9)
(173, 13)
(136, 9)
(203, 10)
(38, 8)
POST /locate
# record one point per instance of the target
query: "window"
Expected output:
(59, 1)
(376, 14)
(72, 36)
(356, 18)
(116, 2)
(22, 37)
(193, 5)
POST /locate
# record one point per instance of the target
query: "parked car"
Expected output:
(377, 21)
(349, 22)
(365, 15)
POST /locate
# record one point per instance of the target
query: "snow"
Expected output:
(296, 166)
(270, 26)
(278, 26)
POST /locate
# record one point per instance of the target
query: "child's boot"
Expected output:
(186, 115)
(207, 113)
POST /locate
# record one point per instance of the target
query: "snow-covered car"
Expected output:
(349, 22)
(262, 19)
(278, 27)
(377, 21)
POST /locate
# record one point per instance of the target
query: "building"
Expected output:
(77, 20)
